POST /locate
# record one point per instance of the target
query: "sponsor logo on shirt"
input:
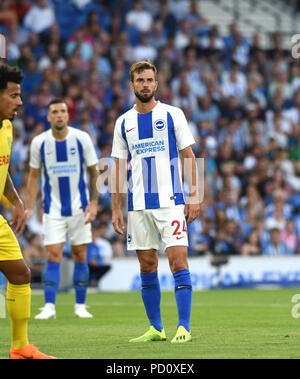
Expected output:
(63, 169)
(149, 147)
(4, 159)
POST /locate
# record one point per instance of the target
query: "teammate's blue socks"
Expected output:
(151, 297)
(183, 294)
(51, 281)
(80, 280)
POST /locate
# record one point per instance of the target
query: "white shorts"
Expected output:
(145, 226)
(71, 228)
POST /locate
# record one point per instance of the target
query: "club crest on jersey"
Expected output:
(159, 125)
(72, 150)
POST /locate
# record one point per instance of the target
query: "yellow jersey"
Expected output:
(6, 138)
(9, 246)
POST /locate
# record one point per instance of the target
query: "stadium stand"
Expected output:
(227, 63)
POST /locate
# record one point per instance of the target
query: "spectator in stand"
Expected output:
(234, 82)
(157, 34)
(183, 35)
(9, 18)
(252, 246)
(40, 17)
(20, 7)
(179, 8)
(206, 110)
(219, 245)
(168, 19)
(289, 236)
(82, 43)
(276, 247)
(54, 37)
(35, 257)
(139, 18)
(99, 254)
(144, 50)
(52, 57)
(213, 41)
(32, 77)
(184, 98)
(201, 242)
(280, 85)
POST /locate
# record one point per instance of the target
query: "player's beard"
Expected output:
(60, 127)
(146, 97)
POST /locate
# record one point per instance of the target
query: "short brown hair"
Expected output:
(56, 101)
(138, 67)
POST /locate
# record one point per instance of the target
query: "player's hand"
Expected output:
(28, 213)
(191, 210)
(91, 212)
(118, 222)
(18, 221)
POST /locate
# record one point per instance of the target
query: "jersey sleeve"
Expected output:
(90, 155)
(119, 148)
(184, 137)
(35, 154)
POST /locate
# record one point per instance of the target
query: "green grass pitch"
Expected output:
(225, 324)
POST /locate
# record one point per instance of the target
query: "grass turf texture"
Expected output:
(225, 324)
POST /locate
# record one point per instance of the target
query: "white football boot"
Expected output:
(48, 311)
(80, 311)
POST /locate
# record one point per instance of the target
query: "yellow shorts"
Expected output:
(9, 245)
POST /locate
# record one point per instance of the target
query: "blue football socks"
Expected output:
(151, 296)
(183, 294)
(51, 281)
(80, 281)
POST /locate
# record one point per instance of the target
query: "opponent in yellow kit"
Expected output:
(9, 246)
(12, 265)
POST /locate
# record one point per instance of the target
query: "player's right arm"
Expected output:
(118, 175)
(32, 190)
(117, 185)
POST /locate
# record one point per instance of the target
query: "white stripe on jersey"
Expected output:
(152, 142)
(64, 175)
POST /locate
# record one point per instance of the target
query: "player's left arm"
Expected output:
(192, 207)
(92, 208)
(18, 214)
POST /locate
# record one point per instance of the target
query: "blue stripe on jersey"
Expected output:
(61, 151)
(81, 184)
(150, 183)
(145, 125)
(47, 188)
(129, 176)
(65, 195)
(173, 152)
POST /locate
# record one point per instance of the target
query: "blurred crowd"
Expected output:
(242, 102)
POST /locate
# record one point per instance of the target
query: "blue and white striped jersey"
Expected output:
(152, 142)
(63, 166)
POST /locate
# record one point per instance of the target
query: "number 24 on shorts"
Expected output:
(177, 231)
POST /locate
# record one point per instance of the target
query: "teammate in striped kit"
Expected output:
(64, 156)
(154, 136)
